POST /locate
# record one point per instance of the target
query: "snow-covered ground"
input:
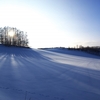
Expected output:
(31, 74)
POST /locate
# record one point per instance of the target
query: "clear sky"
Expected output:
(52, 23)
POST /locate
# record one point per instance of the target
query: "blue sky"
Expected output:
(51, 23)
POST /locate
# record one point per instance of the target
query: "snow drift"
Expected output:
(31, 74)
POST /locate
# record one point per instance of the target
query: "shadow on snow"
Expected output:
(48, 80)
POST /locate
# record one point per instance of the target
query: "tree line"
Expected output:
(13, 36)
(93, 50)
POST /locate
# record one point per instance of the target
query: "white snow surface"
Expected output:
(32, 74)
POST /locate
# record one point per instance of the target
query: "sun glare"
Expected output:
(11, 33)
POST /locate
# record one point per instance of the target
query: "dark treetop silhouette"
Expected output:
(12, 36)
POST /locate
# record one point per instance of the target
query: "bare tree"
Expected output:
(13, 36)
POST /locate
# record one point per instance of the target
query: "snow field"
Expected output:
(31, 74)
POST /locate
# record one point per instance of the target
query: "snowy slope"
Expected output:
(30, 74)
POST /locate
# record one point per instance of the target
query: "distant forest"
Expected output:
(92, 50)
(12, 36)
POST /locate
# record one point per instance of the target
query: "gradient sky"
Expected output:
(52, 23)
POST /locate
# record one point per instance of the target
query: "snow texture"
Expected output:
(31, 74)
